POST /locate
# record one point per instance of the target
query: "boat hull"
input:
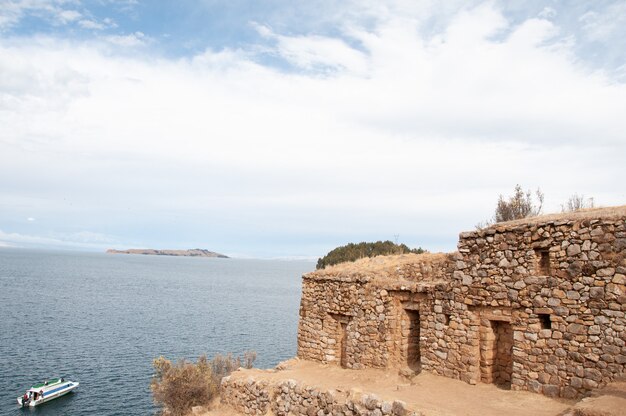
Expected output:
(51, 394)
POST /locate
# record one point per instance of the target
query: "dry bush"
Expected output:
(519, 205)
(178, 387)
(249, 357)
(576, 203)
(223, 365)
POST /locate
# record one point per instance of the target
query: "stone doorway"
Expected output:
(340, 337)
(410, 344)
(343, 343)
(496, 352)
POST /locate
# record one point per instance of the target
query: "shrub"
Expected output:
(178, 387)
(577, 202)
(519, 205)
(223, 365)
(353, 252)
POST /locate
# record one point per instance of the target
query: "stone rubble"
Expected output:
(289, 397)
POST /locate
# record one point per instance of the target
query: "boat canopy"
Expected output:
(43, 386)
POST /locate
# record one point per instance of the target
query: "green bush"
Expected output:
(353, 252)
(178, 387)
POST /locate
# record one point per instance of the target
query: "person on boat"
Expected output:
(25, 399)
(41, 394)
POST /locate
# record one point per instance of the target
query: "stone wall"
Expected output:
(356, 320)
(563, 284)
(534, 306)
(289, 397)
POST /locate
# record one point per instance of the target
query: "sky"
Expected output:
(285, 128)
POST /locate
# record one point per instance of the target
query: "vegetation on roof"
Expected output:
(352, 252)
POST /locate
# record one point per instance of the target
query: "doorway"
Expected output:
(496, 353)
(340, 335)
(343, 342)
(411, 339)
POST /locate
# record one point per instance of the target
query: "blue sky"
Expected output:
(286, 128)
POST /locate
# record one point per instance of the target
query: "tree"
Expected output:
(577, 202)
(353, 252)
(519, 205)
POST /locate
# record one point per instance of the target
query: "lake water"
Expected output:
(100, 319)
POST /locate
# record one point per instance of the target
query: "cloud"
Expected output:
(128, 41)
(604, 24)
(67, 16)
(317, 52)
(13, 11)
(91, 24)
(94, 24)
(378, 130)
(55, 12)
(547, 13)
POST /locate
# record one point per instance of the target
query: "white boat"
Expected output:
(46, 391)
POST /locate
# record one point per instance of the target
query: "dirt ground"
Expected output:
(430, 394)
(609, 401)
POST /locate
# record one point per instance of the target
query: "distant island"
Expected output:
(195, 252)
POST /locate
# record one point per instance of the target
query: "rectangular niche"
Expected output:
(545, 321)
(542, 257)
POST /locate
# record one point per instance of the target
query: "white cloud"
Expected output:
(67, 16)
(128, 41)
(603, 24)
(91, 24)
(13, 11)
(407, 134)
(547, 13)
(317, 52)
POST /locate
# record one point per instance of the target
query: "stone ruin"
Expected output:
(535, 305)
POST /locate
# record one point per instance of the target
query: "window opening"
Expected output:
(545, 321)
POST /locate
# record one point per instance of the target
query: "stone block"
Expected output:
(573, 250)
(576, 329)
(596, 292)
(399, 408)
(551, 390)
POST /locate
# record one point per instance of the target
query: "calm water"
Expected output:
(100, 319)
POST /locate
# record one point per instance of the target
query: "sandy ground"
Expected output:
(433, 395)
(608, 401)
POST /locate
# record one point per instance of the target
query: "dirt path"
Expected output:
(432, 395)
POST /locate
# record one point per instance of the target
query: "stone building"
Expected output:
(534, 305)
